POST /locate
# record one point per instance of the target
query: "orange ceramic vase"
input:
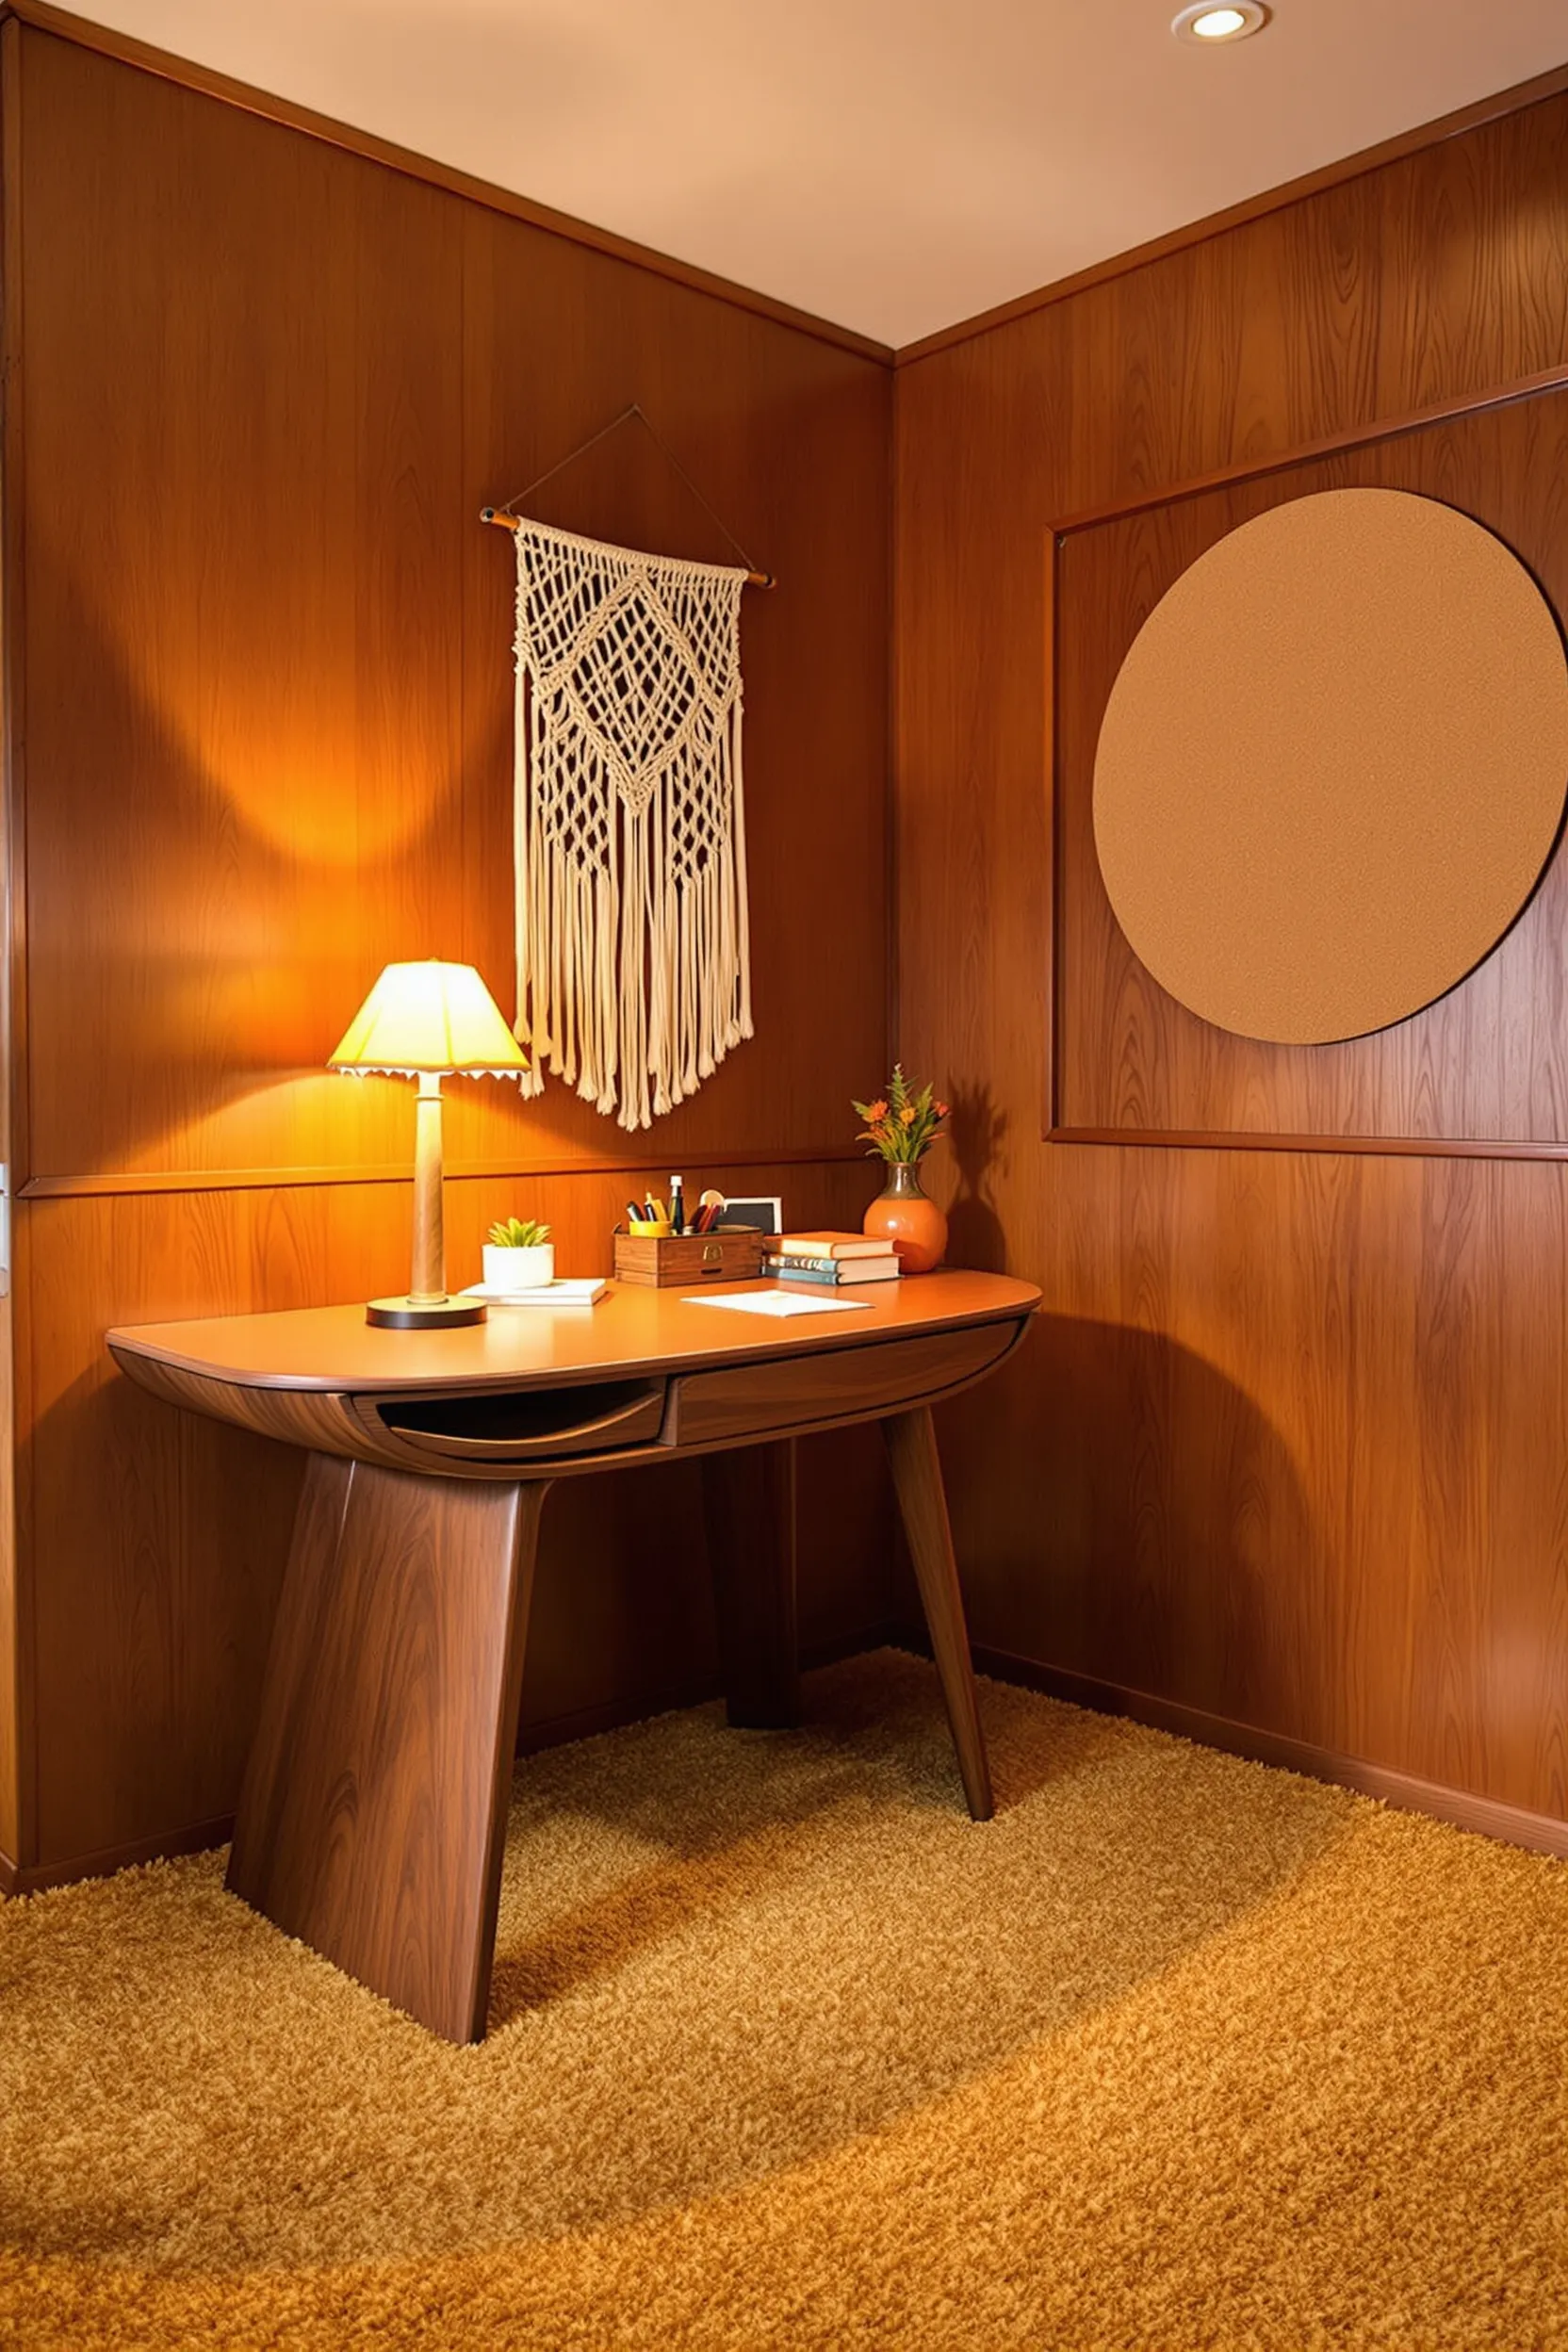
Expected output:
(911, 1225)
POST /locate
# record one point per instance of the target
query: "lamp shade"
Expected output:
(430, 1016)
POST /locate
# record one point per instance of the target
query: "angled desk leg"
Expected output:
(373, 1814)
(918, 1476)
(749, 1504)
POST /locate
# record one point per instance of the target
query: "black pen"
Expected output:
(634, 1214)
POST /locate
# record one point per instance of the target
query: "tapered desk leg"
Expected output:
(918, 1476)
(374, 1809)
(749, 1501)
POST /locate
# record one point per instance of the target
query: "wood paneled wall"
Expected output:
(258, 388)
(1287, 1452)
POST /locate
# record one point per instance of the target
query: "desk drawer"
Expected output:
(839, 1385)
(522, 1424)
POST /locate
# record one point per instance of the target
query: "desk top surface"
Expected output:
(631, 1329)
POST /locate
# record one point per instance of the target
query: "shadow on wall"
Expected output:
(975, 1132)
(1124, 1510)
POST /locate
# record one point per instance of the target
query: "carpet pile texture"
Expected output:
(1177, 2052)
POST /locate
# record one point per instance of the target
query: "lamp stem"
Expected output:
(429, 1284)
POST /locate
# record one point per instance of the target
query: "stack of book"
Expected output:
(828, 1258)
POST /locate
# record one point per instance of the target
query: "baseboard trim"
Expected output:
(586, 1723)
(33, 1878)
(555, 1731)
(1540, 1833)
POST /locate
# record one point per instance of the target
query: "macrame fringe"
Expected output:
(633, 937)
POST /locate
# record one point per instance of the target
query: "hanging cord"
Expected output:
(506, 516)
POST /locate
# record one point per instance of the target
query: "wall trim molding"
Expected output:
(552, 1731)
(124, 50)
(33, 1878)
(587, 1722)
(1539, 1833)
(398, 1172)
(1475, 117)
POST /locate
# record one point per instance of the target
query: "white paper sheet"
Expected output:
(570, 1292)
(780, 1302)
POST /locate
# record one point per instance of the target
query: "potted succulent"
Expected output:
(519, 1255)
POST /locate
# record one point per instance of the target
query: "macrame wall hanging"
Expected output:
(633, 954)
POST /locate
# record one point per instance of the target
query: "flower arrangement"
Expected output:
(902, 1125)
(518, 1233)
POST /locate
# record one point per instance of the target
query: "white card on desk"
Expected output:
(570, 1292)
(781, 1302)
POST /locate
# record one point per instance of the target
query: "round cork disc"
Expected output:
(1332, 765)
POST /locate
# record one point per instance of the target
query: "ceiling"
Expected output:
(892, 165)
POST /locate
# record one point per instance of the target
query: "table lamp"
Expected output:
(423, 1020)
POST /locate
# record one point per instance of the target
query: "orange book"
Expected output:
(826, 1246)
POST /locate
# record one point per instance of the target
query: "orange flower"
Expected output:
(876, 1111)
(906, 1116)
(943, 1109)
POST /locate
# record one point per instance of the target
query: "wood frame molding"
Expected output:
(45, 18)
(1539, 1833)
(1054, 1129)
(1308, 452)
(1252, 1139)
(1330, 175)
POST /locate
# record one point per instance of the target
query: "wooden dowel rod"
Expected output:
(512, 522)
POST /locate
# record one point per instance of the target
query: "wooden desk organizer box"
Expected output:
(731, 1253)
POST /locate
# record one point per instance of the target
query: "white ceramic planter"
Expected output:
(519, 1269)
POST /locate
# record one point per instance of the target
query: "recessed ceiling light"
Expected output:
(1209, 25)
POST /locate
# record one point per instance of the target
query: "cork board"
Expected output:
(1332, 765)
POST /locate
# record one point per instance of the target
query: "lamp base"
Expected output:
(413, 1314)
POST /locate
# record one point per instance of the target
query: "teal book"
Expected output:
(831, 1271)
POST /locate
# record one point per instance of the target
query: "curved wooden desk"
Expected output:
(374, 1807)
